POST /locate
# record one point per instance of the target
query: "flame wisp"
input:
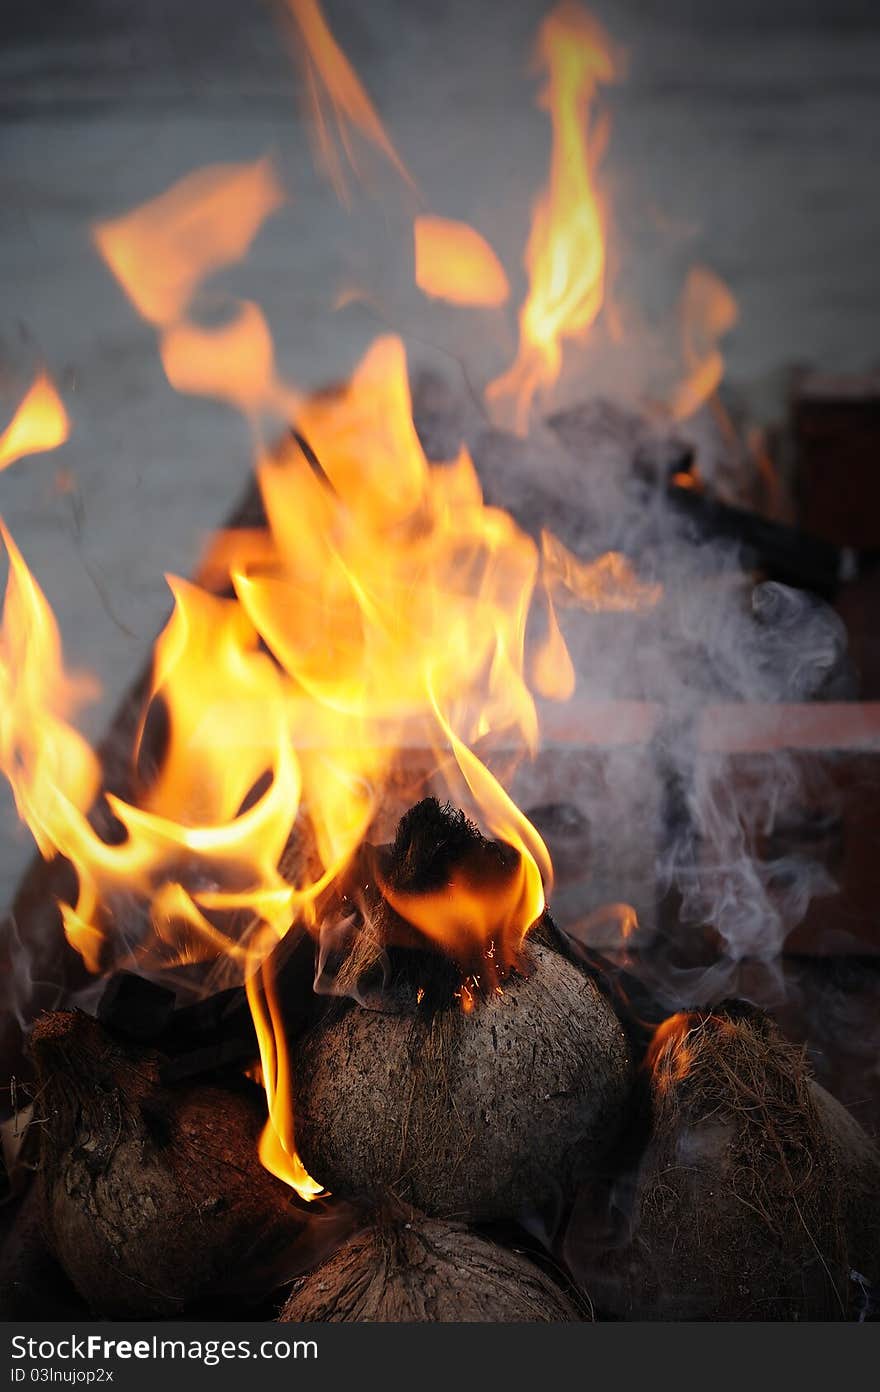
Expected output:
(566, 253)
(39, 424)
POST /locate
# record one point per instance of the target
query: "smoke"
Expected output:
(645, 790)
(666, 831)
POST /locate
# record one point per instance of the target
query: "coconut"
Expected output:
(153, 1197)
(32, 1284)
(757, 1195)
(421, 1271)
(473, 1114)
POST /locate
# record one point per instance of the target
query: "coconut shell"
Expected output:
(32, 1284)
(858, 1164)
(426, 1271)
(756, 1198)
(473, 1115)
(153, 1198)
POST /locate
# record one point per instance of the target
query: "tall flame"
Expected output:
(40, 423)
(396, 604)
(384, 608)
(52, 771)
(277, 1143)
(565, 255)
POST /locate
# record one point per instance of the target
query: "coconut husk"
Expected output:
(756, 1198)
(435, 844)
(153, 1197)
(421, 1271)
(471, 1115)
(32, 1284)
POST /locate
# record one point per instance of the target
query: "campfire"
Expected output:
(434, 935)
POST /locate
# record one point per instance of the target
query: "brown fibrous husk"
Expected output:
(470, 1115)
(32, 1284)
(153, 1198)
(757, 1196)
(422, 1271)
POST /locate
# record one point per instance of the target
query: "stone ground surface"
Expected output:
(744, 137)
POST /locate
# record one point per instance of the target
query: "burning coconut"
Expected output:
(483, 1096)
(783, 1183)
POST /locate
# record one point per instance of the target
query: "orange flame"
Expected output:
(53, 773)
(455, 263)
(384, 609)
(708, 311)
(40, 423)
(552, 669)
(397, 606)
(607, 584)
(55, 777)
(357, 674)
(336, 93)
(565, 255)
(161, 253)
(42, 757)
(394, 604)
(234, 362)
(668, 1057)
(277, 1144)
(163, 250)
(598, 926)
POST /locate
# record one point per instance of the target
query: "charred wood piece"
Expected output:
(797, 559)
